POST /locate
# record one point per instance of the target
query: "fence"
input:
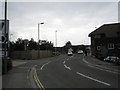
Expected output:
(30, 54)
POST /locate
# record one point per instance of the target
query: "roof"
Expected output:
(111, 30)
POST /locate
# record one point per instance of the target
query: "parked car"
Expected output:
(112, 59)
(118, 61)
(80, 52)
(70, 53)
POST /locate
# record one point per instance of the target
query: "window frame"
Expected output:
(111, 46)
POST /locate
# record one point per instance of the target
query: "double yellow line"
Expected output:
(87, 62)
(38, 83)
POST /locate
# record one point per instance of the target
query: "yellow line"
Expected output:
(97, 65)
(86, 62)
(39, 81)
(39, 84)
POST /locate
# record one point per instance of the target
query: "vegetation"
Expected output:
(25, 44)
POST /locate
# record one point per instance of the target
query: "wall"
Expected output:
(30, 54)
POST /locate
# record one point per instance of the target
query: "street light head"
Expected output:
(42, 23)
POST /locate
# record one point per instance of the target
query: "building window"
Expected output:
(111, 46)
(98, 48)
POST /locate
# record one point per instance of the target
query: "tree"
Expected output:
(32, 45)
(67, 46)
(25, 44)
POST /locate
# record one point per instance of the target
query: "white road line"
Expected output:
(71, 56)
(68, 58)
(103, 69)
(93, 79)
(67, 67)
(64, 62)
(44, 65)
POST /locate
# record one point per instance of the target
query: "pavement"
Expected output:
(17, 63)
(18, 77)
(103, 64)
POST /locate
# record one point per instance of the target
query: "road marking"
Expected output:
(64, 62)
(71, 56)
(99, 66)
(107, 68)
(68, 58)
(86, 61)
(67, 67)
(93, 79)
(44, 65)
(102, 69)
(39, 84)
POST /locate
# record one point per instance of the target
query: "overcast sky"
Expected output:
(72, 20)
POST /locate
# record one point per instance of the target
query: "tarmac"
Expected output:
(17, 77)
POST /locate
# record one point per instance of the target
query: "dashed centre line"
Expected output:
(67, 67)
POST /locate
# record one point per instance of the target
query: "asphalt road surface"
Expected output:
(62, 72)
(73, 72)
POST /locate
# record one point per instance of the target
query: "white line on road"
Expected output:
(44, 65)
(64, 62)
(103, 69)
(93, 79)
(67, 67)
(68, 58)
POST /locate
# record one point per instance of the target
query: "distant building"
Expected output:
(105, 40)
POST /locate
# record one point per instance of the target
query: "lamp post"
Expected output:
(39, 38)
(56, 42)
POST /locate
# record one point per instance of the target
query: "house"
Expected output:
(105, 40)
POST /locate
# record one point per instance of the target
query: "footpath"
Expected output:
(17, 77)
(102, 64)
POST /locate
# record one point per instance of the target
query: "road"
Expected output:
(73, 72)
(64, 72)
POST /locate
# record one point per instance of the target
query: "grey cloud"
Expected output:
(70, 19)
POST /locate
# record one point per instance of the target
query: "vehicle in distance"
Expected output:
(80, 52)
(112, 59)
(70, 53)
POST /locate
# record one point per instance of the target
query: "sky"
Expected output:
(72, 20)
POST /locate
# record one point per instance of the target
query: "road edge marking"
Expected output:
(37, 80)
(93, 79)
(102, 67)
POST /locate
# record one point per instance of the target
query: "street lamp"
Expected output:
(39, 38)
(56, 42)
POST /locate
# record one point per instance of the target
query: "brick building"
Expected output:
(105, 40)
